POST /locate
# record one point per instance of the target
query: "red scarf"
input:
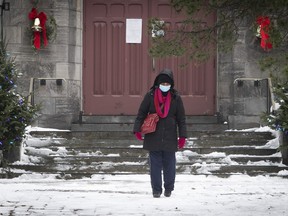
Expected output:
(160, 101)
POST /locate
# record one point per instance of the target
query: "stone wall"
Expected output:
(243, 103)
(61, 59)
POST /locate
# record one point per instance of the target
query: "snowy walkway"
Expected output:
(131, 195)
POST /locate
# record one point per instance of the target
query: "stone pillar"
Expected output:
(1, 158)
(283, 140)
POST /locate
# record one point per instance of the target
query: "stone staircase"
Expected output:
(105, 144)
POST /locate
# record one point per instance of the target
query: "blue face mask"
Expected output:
(164, 88)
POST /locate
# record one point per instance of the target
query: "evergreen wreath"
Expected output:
(42, 29)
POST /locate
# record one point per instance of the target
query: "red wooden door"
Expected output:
(117, 74)
(114, 71)
(196, 82)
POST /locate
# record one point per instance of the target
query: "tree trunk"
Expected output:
(12, 155)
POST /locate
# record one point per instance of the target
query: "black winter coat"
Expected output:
(165, 136)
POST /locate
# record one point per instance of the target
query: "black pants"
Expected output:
(166, 161)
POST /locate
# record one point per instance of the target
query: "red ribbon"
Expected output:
(43, 18)
(264, 23)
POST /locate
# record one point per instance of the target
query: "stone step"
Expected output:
(93, 150)
(79, 143)
(200, 135)
(248, 158)
(228, 160)
(72, 171)
(87, 158)
(225, 143)
(125, 123)
(138, 151)
(235, 136)
(234, 150)
(127, 138)
(230, 139)
(91, 159)
(94, 168)
(104, 127)
(250, 169)
(129, 119)
(192, 142)
(222, 158)
(223, 169)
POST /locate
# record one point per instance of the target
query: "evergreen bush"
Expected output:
(15, 112)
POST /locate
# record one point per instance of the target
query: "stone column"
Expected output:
(283, 140)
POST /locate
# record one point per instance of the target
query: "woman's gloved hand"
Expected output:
(181, 142)
(138, 135)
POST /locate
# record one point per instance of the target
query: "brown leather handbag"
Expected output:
(150, 123)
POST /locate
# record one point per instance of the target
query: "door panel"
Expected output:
(114, 71)
(116, 74)
(195, 82)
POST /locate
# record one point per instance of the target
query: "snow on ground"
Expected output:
(131, 195)
(30, 128)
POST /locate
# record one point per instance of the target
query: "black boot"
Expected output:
(167, 193)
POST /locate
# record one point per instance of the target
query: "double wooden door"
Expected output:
(118, 73)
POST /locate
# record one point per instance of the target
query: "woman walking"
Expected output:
(170, 134)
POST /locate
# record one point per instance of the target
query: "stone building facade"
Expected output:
(62, 59)
(243, 89)
(238, 103)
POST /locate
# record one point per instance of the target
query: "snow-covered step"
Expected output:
(74, 170)
(274, 158)
(221, 158)
(229, 138)
(100, 151)
(249, 150)
(85, 159)
(229, 166)
(261, 169)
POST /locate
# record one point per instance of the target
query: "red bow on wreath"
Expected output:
(43, 18)
(264, 24)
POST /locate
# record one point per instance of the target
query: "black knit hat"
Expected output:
(163, 78)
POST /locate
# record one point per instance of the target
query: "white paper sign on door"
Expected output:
(133, 30)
